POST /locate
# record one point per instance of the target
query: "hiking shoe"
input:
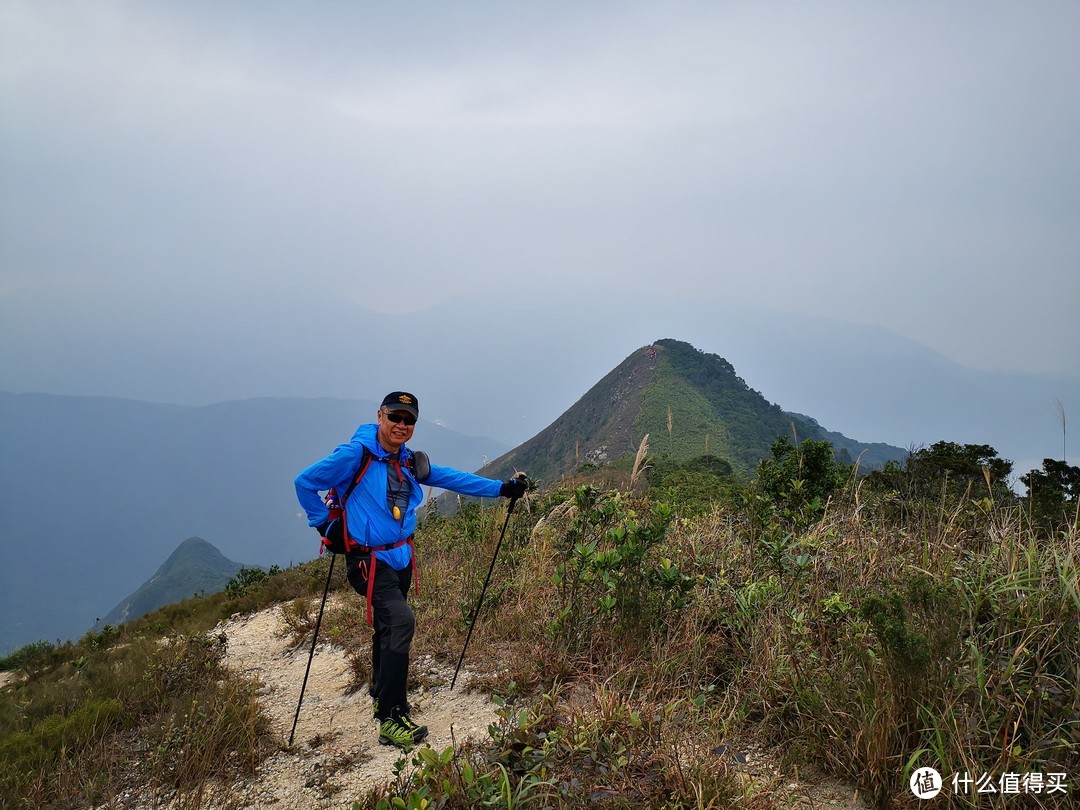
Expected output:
(375, 708)
(401, 731)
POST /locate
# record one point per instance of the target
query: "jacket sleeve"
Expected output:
(321, 476)
(462, 482)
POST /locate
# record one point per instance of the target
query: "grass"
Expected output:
(638, 653)
(864, 649)
(148, 706)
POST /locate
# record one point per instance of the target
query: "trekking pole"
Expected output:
(480, 601)
(314, 638)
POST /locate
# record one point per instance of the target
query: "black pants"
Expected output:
(394, 624)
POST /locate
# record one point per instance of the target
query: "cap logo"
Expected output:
(405, 399)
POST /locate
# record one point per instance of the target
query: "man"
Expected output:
(376, 527)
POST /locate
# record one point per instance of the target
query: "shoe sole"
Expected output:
(385, 741)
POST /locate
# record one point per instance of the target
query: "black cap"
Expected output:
(401, 401)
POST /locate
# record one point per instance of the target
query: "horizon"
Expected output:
(791, 376)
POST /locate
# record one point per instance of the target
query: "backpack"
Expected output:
(337, 540)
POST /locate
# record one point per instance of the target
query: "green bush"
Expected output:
(613, 570)
(800, 479)
(27, 656)
(1052, 495)
(248, 578)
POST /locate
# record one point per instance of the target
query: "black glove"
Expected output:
(514, 487)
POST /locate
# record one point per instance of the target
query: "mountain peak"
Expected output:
(197, 549)
(691, 403)
(195, 567)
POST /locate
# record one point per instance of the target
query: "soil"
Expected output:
(336, 756)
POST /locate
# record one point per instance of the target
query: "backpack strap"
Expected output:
(365, 462)
(417, 462)
(337, 508)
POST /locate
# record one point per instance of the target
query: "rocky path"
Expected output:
(336, 756)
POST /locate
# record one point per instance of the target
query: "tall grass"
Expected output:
(854, 643)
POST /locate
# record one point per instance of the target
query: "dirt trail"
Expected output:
(336, 755)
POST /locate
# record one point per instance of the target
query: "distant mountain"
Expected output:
(196, 567)
(870, 456)
(94, 493)
(689, 402)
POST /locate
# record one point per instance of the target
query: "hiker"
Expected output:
(381, 479)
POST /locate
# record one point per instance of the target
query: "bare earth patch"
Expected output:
(336, 756)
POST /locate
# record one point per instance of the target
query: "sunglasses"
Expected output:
(398, 417)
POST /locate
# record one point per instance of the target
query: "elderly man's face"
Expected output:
(392, 434)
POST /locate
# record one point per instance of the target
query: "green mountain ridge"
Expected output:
(869, 455)
(195, 567)
(690, 403)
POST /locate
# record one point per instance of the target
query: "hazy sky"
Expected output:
(913, 165)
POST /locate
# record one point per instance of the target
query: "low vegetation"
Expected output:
(642, 641)
(147, 706)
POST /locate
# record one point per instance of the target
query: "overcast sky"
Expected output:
(912, 165)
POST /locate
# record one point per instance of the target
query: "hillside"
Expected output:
(690, 403)
(196, 567)
(149, 473)
(742, 657)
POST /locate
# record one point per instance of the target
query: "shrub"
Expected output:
(1052, 495)
(27, 657)
(552, 753)
(612, 570)
(247, 578)
(799, 480)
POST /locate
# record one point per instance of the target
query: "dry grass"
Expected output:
(871, 648)
(639, 461)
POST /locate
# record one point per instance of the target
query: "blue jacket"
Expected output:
(367, 515)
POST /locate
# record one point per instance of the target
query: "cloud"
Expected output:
(904, 165)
